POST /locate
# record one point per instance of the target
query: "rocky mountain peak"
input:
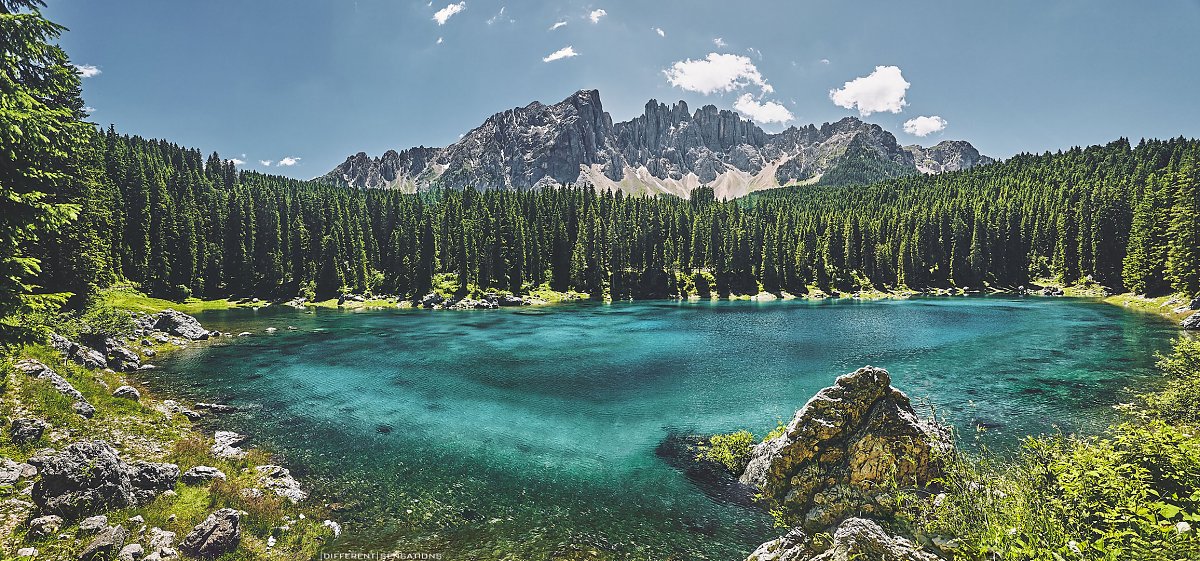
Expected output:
(666, 149)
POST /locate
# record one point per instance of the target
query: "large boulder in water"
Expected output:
(181, 325)
(844, 450)
(855, 538)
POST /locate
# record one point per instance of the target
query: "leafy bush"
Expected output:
(1133, 493)
(730, 450)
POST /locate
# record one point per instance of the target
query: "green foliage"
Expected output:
(42, 142)
(730, 450)
(1133, 493)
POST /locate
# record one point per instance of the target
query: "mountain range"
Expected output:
(668, 149)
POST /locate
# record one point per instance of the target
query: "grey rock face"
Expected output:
(180, 325)
(105, 544)
(217, 535)
(226, 444)
(843, 448)
(24, 431)
(131, 552)
(88, 477)
(127, 392)
(93, 524)
(280, 481)
(200, 475)
(666, 149)
(1191, 322)
(81, 354)
(150, 479)
(11, 472)
(948, 155)
(120, 358)
(85, 477)
(855, 538)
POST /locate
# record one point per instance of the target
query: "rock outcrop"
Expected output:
(200, 475)
(107, 543)
(80, 354)
(227, 445)
(89, 477)
(280, 481)
(854, 539)
(217, 535)
(180, 325)
(667, 149)
(26, 430)
(35, 369)
(841, 458)
(1191, 322)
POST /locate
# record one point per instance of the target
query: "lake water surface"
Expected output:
(533, 431)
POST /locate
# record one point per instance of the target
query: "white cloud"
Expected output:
(439, 41)
(444, 14)
(825, 61)
(755, 52)
(565, 52)
(719, 42)
(716, 73)
(925, 126)
(499, 15)
(266, 163)
(882, 90)
(288, 161)
(237, 162)
(762, 112)
(557, 25)
(89, 109)
(660, 32)
(596, 15)
(87, 70)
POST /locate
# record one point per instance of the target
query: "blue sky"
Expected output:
(314, 81)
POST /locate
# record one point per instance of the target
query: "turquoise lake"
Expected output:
(539, 432)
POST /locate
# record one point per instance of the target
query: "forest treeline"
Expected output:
(181, 224)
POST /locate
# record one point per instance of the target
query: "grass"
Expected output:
(1163, 305)
(140, 432)
(130, 299)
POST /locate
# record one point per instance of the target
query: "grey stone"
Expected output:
(200, 475)
(1191, 322)
(11, 472)
(80, 354)
(218, 534)
(86, 477)
(105, 544)
(45, 526)
(127, 392)
(26, 430)
(35, 369)
(29, 552)
(150, 479)
(180, 325)
(279, 480)
(93, 524)
(854, 539)
(226, 445)
(131, 552)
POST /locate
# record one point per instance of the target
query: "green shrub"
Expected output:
(730, 450)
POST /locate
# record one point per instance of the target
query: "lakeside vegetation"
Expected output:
(1132, 492)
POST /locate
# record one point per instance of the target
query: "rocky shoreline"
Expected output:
(118, 475)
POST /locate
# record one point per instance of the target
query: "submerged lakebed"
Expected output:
(539, 432)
